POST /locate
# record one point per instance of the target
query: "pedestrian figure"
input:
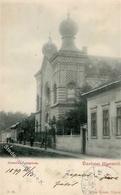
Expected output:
(45, 139)
(31, 141)
(42, 142)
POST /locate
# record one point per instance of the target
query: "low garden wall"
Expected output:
(71, 143)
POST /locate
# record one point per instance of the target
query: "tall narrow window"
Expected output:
(36, 125)
(94, 124)
(47, 118)
(106, 126)
(47, 94)
(55, 93)
(118, 129)
(71, 91)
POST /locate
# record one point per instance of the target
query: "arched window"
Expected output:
(71, 90)
(47, 93)
(54, 93)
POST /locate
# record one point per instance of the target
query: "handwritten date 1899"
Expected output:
(25, 172)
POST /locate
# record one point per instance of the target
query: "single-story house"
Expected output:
(104, 120)
(10, 133)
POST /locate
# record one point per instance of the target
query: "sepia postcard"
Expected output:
(60, 97)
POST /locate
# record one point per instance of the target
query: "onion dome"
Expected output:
(49, 48)
(68, 28)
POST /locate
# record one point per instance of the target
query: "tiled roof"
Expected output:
(103, 88)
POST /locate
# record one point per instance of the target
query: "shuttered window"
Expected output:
(106, 126)
(94, 124)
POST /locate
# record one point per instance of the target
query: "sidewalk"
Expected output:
(50, 150)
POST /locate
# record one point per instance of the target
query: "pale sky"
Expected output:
(25, 28)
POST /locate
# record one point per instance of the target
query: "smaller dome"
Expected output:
(68, 28)
(49, 48)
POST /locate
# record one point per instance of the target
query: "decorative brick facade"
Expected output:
(62, 75)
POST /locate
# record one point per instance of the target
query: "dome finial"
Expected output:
(49, 37)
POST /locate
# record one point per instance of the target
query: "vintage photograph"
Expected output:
(60, 79)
